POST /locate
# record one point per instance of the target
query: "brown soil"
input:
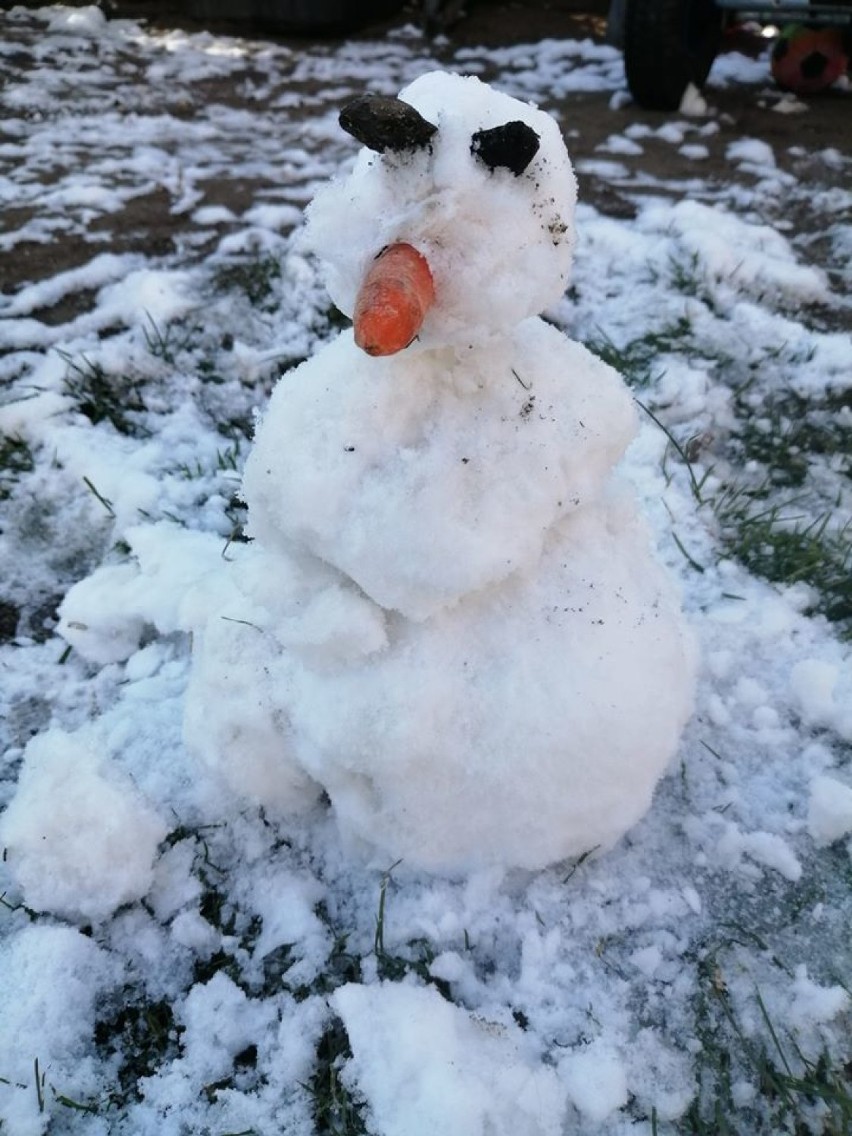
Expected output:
(479, 22)
(148, 225)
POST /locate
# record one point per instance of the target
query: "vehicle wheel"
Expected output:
(669, 44)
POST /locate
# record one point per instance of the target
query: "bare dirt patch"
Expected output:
(150, 224)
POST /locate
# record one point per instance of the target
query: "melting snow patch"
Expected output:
(814, 1003)
(695, 151)
(737, 254)
(86, 21)
(693, 102)
(54, 978)
(766, 848)
(577, 988)
(426, 1066)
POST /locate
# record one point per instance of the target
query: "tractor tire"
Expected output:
(669, 44)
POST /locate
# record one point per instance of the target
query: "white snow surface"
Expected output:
(81, 842)
(484, 1077)
(190, 944)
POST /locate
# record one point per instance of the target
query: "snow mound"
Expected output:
(81, 840)
(427, 1066)
(53, 978)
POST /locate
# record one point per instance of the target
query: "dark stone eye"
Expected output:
(381, 124)
(512, 146)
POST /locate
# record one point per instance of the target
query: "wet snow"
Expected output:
(136, 888)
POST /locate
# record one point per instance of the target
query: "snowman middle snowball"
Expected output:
(450, 618)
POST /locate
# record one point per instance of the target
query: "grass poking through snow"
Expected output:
(637, 361)
(102, 397)
(774, 485)
(16, 459)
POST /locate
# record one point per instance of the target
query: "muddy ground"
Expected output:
(149, 224)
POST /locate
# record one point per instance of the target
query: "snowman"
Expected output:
(449, 623)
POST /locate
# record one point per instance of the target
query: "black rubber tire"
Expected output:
(669, 44)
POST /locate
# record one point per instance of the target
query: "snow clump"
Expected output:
(81, 839)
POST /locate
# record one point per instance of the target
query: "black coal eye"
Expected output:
(512, 146)
(381, 124)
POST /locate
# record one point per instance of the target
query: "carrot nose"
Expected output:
(393, 300)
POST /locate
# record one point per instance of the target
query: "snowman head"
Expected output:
(477, 185)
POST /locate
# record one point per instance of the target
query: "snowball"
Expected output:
(829, 810)
(451, 207)
(424, 484)
(96, 619)
(81, 840)
(596, 1080)
(426, 1066)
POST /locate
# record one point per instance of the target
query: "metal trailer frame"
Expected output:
(670, 44)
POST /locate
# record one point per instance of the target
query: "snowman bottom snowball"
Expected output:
(450, 620)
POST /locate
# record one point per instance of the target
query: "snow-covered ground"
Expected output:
(174, 962)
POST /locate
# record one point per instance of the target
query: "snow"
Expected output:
(814, 683)
(345, 466)
(57, 975)
(479, 1076)
(694, 150)
(693, 102)
(751, 152)
(829, 810)
(431, 199)
(85, 21)
(814, 1003)
(756, 256)
(80, 841)
(595, 1080)
(192, 944)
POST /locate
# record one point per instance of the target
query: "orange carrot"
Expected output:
(393, 300)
